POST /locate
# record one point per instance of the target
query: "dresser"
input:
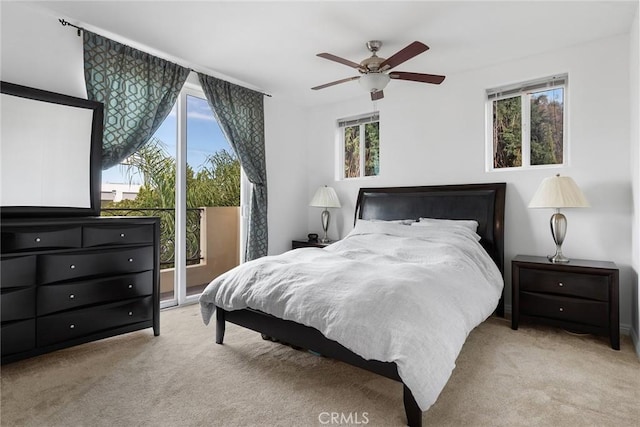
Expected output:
(69, 281)
(579, 296)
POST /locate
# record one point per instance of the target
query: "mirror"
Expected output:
(50, 153)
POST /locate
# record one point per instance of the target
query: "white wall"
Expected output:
(286, 135)
(435, 135)
(38, 52)
(634, 74)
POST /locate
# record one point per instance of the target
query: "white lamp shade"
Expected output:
(558, 192)
(325, 197)
(374, 82)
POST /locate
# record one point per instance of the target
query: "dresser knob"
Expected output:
(130, 286)
(131, 313)
(130, 259)
(37, 240)
(72, 326)
(560, 284)
(72, 266)
(121, 234)
(561, 309)
(72, 296)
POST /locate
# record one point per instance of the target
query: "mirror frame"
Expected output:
(95, 156)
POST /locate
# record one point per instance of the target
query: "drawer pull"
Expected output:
(122, 234)
(130, 286)
(72, 266)
(561, 309)
(72, 296)
(560, 284)
(38, 240)
(131, 313)
(130, 260)
(71, 326)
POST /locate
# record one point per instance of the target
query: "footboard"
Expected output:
(312, 339)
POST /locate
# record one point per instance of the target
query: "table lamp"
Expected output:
(325, 197)
(558, 192)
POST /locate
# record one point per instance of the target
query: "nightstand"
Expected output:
(295, 244)
(579, 296)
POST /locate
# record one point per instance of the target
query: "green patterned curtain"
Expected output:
(240, 113)
(138, 91)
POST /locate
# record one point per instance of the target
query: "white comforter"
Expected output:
(388, 292)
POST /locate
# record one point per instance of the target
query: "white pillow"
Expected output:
(395, 221)
(433, 222)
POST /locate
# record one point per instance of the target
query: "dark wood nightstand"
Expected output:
(295, 244)
(579, 296)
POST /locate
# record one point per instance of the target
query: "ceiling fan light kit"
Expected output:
(373, 82)
(374, 77)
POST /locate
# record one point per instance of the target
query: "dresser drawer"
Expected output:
(564, 283)
(18, 336)
(18, 271)
(576, 310)
(117, 235)
(62, 267)
(20, 239)
(60, 297)
(18, 303)
(61, 327)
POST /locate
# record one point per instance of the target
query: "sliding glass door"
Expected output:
(188, 176)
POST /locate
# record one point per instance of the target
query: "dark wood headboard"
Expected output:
(481, 202)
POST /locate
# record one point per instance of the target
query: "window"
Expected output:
(360, 146)
(526, 124)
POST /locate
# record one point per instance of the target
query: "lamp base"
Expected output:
(558, 258)
(558, 225)
(325, 225)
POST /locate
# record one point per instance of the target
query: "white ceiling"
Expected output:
(271, 46)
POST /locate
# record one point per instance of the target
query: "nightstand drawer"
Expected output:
(564, 283)
(563, 308)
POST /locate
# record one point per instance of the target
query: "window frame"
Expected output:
(361, 120)
(524, 90)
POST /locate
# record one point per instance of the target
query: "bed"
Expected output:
(377, 211)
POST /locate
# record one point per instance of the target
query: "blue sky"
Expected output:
(204, 137)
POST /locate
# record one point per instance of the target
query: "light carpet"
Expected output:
(535, 376)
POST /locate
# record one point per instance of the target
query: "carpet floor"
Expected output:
(535, 376)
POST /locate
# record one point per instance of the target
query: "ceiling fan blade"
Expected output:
(343, 61)
(348, 79)
(377, 95)
(417, 77)
(415, 48)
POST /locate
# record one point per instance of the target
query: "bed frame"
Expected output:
(482, 202)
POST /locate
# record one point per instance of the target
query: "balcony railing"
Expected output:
(168, 231)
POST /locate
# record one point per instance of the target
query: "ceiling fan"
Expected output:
(374, 74)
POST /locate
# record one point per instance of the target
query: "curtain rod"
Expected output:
(65, 23)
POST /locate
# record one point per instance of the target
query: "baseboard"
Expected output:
(635, 339)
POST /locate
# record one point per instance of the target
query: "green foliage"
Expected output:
(351, 151)
(507, 133)
(217, 183)
(372, 149)
(352, 139)
(546, 129)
